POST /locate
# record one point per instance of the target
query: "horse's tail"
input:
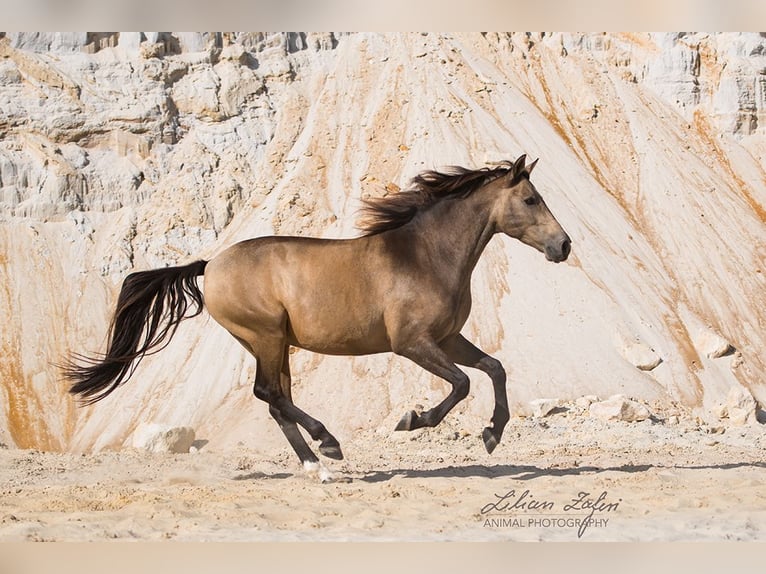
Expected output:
(150, 307)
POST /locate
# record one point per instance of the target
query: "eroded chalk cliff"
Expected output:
(123, 151)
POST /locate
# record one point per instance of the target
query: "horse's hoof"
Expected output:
(331, 451)
(319, 470)
(407, 422)
(490, 440)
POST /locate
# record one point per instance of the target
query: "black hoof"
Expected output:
(490, 440)
(331, 451)
(408, 421)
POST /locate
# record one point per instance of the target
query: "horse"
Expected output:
(402, 286)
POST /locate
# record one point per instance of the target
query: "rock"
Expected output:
(544, 407)
(238, 85)
(619, 408)
(112, 163)
(130, 42)
(737, 360)
(48, 41)
(235, 53)
(740, 407)
(585, 402)
(196, 94)
(194, 41)
(721, 411)
(712, 345)
(162, 438)
(640, 355)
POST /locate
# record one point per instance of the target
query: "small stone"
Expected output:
(721, 411)
(640, 355)
(712, 345)
(739, 417)
(392, 188)
(234, 52)
(543, 407)
(585, 402)
(619, 408)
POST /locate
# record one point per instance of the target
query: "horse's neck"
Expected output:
(455, 233)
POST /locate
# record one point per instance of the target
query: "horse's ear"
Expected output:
(531, 166)
(518, 167)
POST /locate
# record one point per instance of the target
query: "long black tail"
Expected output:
(150, 307)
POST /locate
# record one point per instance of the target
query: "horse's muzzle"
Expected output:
(559, 250)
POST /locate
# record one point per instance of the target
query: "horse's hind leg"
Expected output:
(290, 429)
(268, 387)
(309, 460)
(463, 352)
(328, 444)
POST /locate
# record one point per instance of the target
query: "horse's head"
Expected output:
(520, 212)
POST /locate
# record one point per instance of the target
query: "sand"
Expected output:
(657, 480)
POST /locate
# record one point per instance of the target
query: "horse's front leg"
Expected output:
(465, 353)
(432, 358)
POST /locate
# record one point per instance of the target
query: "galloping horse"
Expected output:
(404, 286)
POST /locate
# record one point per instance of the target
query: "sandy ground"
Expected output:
(648, 481)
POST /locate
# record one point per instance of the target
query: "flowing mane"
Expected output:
(427, 188)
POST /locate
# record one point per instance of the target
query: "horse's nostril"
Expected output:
(566, 247)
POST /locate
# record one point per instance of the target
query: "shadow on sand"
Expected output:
(262, 475)
(531, 472)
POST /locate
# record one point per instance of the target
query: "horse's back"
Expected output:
(322, 294)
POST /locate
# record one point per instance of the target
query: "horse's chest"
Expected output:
(463, 308)
(451, 313)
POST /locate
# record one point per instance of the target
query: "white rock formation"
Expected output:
(121, 152)
(640, 355)
(619, 408)
(740, 407)
(712, 345)
(163, 438)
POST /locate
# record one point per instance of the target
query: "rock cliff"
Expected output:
(121, 152)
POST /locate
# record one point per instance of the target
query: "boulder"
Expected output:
(740, 407)
(619, 408)
(639, 354)
(162, 438)
(712, 345)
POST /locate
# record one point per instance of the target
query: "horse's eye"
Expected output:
(532, 200)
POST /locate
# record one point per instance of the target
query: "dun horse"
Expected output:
(402, 287)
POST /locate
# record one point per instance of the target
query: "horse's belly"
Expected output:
(337, 334)
(331, 346)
